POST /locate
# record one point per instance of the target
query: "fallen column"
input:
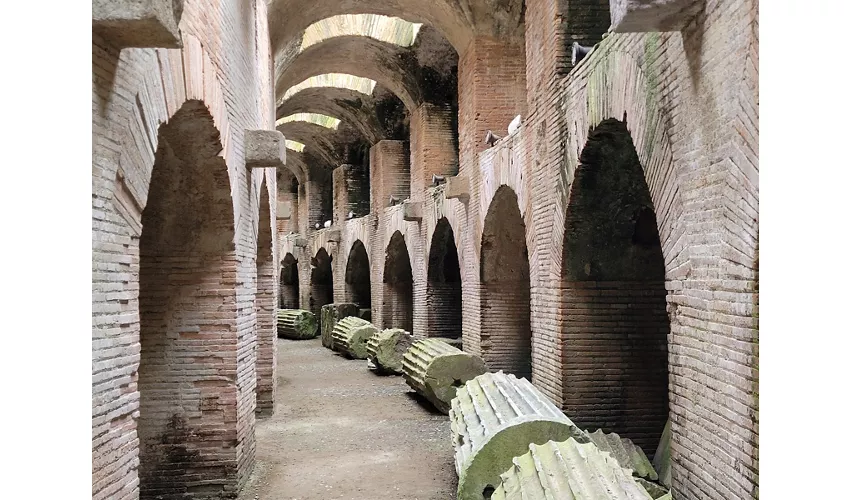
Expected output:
(296, 324)
(350, 336)
(494, 418)
(626, 453)
(435, 370)
(385, 350)
(456, 343)
(567, 470)
(331, 314)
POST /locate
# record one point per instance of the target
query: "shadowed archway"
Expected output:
(187, 423)
(358, 285)
(444, 296)
(398, 286)
(289, 292)
(614, 298)
(505, 288)
(321, 282)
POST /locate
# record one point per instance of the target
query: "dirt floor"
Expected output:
(340, 431)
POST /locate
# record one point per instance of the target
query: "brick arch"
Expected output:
(321, 281)
(288, 18)
(617, 88)
(338, 103)
(264, 304)
(444, 298)
(397, 306)
(289, 287)
(358, 285)
(505, 287)
(613, 294)
(361, 56)
(188, 268)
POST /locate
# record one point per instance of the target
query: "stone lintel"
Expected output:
(139, 23)
(264, 149)
(457, 187)
(644, 16)
(412, 210)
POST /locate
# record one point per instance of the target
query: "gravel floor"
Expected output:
(340, 431)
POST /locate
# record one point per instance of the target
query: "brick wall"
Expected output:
(134, 92)
(265, 305)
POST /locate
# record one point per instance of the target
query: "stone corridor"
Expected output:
(339, 431)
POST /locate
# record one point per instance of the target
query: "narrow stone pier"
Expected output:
(340, 431)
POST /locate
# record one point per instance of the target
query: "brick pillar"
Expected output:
(432, 146)
(285, 194)
(350, 192)
(389, 172)
(303, 212)
(491, 92)
(314, 205)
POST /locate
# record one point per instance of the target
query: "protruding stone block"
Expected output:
(331, 315)
(655, 490)
(567, 470)
(385, 350)
(435, 370)
(412, 210)
(661, 460)
(334, 235)
(627, 454)
(642, 16)
(296, 324)
(139, 23)
(351, 335)
(301, 242)
(457, 187)
(495, 417)
(264, 149)
(284, 210)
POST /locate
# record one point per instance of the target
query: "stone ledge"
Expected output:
(457, 187)
(412, 211)
(644, 16)
(264, 149)
(139, 23)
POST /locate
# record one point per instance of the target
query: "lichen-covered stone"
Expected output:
(456, 343)
(435, 370)
(661, 460)
(385, 350)
(331, 314)
(628, 454)
(296, 324)
(564, 471)
(350, 336)
(494, 418)
(655, 490)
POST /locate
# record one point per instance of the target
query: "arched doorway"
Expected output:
(444, 296)
(358, 285)
(321, 282)
(614, 298)
(289, 292)
(264, 305)
(398, 286)
(187, 422)
(505, 288)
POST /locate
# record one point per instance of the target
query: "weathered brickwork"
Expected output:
(607, 250)
(134, 93)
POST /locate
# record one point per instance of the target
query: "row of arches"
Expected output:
(611, 293)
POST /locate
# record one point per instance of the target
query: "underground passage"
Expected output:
(394, 249)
